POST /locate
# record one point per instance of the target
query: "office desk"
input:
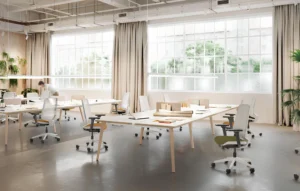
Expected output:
(117, 119)
(38, 106)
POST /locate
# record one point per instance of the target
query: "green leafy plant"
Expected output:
(22, 61)
(13, 82)
(29, 90)
(5, 55)
(293, 95)
(14, 69)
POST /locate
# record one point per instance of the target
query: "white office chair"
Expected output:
(123, 108)
(45, 94)
(66, 110)
(32, 97)
(89, 125)
(144, 106)
(48, 119)
(12, 101)
(237, 141)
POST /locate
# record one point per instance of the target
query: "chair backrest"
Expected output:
(167, 98)
(59, 98)
(144, 104)
(125, 101)
(77, 97)
(49, 108)
(242, 117)
(251, 103)
(13, 101)
(45, 94)
(9, 95)
(86, 109)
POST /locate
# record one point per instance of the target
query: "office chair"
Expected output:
(252, 118)
(45, 94)
(12, 101)
(32, 97)
(124, 107)
(92, 127)
(144, 106)
(237, 141)
(48, 119)
(66, 110)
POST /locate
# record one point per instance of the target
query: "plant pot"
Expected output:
(296, 127)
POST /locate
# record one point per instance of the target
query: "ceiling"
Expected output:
(41, 15)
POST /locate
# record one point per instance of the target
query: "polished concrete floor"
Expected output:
(129, 167)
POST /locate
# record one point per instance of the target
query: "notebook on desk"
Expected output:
(138, 116)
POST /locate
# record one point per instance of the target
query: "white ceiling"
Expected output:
(36, 14)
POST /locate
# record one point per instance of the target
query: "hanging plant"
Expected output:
(2, 66)
(14, 69)
(22, 61)
(13, 83)
(5, 55)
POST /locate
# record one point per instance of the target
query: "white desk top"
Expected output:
(38, 105)
(124, 119)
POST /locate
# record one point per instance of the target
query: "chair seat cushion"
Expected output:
(227, 123)
(221, 140)
(68, 109)
(96, 126)
(43, 122)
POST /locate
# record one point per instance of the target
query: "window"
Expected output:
(83, 61)
(233, 55)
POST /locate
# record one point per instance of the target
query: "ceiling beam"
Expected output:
(44, 4)
(117, 3)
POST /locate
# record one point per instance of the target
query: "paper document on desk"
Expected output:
(138, 116)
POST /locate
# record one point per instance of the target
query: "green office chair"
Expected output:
(237, 141)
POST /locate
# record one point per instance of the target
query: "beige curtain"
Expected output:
(130, 62)
(286, 39)
(37, 55)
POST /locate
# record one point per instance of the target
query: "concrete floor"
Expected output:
(130, 167)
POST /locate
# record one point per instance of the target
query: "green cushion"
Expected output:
(220, 140)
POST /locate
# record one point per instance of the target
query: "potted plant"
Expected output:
(29, 90)
(293, 97)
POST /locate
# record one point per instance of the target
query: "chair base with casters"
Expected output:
(150, 131)
(230, 142)
(180, 129)
(93, 128)
(66, 116)
(34, 121)
(13, 119)
(45, 135)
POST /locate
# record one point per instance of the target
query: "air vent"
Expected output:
(123, 15)
(50, 24)
(222, 2)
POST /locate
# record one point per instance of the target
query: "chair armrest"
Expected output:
(222, 125)
(93, 118)
(224, 128)
(235, 130)
(250, 117)
(99, 115)
(230, 114)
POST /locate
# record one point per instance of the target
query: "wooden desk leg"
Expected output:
(141, 135)
(20, 121)
(171, 133)
(6, 129)
(60, 112)
(100, 142)
(81, 113)
(191, 135)
(212, 125)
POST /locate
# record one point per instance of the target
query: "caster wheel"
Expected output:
(25, 125)
(296, 151)
(37, 125)
(40, 138)
(157, 137)
(249, 163)
(167, 130)
(92, 144)
(136, 135)
(77, 147)
(14, 122)
(242, 149)
(213, 165)
(252, 170)
(57, 120)
(106, 148)
(65, 117)
(253, 136)
(31, 140)
(148, 128)
(160, 134)
(147, 133)
(89, 150)
(234, 164)
(248, 132)
(228, 171)
(57, 139)
(104, 143)
(260, 134)
(143, 137)
(249, 145)
(226, 162)
(296, 177)
(68, 119)
(42, 141)
(180, 129)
